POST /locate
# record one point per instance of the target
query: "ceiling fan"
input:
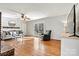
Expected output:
(23, 16)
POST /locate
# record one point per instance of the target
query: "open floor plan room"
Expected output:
(39, 29)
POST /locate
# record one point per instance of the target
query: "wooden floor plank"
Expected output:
(35, 47)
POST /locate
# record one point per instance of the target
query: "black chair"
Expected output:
(46, 37)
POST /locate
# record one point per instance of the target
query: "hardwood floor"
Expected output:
(32, 46)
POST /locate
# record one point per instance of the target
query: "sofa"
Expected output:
(5, 35)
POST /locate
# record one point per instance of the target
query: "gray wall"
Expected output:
(50, 23)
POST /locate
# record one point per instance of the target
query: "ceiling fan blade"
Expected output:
(28, 18)
(14, 11)
(22, 14)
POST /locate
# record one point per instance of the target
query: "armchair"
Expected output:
(17, 34)
(46, 37)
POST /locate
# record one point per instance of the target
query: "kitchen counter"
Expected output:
(69, 45)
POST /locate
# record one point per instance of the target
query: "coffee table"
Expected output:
(6, 50)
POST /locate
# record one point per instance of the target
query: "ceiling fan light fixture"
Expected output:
(22, 15)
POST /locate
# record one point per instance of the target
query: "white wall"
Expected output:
(23, 26)
(51, 23)
(31, 24)
(5, 21)
(19, 23)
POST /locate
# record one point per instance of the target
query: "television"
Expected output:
(77, 20)
(73, 22)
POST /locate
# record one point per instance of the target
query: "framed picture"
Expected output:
(39, 28)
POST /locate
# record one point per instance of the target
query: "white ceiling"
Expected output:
(35, 10)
